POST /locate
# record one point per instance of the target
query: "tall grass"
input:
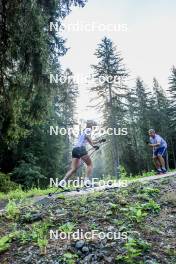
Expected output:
(19, 194)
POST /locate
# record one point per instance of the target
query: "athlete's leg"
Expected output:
(74, 166)
(89, 164)
(157, 163)
(162, 161)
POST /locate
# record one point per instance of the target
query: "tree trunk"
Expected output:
(173, 153)
(114, 141)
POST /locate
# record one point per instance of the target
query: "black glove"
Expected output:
(96, 147)
(147, 142)
(102, 140)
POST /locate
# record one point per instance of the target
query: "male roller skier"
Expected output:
(159, 146)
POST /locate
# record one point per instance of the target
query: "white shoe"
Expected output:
(62, 184)
(87, 183)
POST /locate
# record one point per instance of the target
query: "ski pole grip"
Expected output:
(96, 147)
(102, 140)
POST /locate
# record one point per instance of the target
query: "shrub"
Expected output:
(6, 184)
(27, 174)
(12, 210)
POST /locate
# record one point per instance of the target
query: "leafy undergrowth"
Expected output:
(134, 225)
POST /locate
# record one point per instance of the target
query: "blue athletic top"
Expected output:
(158, 139)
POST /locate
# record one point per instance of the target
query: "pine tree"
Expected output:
(29, 53)
(143, 123)
(107, 74)
(171, 114)
(172, 95)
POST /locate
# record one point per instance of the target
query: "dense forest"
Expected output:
(30, 103)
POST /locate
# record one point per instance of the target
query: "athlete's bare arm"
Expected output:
(92, 142)
(155, 145)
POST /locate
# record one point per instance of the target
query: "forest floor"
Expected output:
(133, 224)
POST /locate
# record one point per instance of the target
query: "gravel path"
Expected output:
(39, 199)
(46, 199)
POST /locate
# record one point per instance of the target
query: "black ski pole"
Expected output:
(82, 163)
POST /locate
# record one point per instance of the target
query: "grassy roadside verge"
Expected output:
(19, 194)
